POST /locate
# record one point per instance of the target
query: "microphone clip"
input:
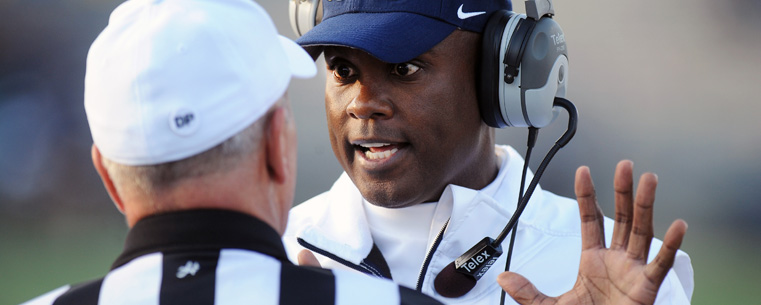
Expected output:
(476, 262)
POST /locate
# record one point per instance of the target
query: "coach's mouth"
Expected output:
(377, 151)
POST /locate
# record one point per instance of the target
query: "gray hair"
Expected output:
(151, 179)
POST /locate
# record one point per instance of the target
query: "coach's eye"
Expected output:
(342, 72)
(405, 69)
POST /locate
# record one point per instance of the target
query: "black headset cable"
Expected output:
(523, 199)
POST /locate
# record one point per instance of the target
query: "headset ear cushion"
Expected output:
(489, 80)
(304, 15)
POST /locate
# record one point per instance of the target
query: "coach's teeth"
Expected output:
(368, 145)
(381, 154)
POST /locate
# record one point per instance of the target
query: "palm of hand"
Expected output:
(612, 276)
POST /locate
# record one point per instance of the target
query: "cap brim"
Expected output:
(300, 62)
(393, 37)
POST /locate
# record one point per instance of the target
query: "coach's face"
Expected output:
(403, 132)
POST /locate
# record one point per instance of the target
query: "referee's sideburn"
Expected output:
(195, 143)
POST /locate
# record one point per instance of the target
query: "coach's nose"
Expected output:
(370, 103)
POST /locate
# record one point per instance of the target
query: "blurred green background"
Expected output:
(670, 85)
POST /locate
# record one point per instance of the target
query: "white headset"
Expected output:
(304, 15)
(524, 66)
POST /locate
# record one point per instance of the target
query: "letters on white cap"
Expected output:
(169, 79)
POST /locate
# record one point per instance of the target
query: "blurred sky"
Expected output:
(670, 85)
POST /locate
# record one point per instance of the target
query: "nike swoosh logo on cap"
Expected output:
(463, 15)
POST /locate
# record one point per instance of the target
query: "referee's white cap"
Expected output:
(169, 79)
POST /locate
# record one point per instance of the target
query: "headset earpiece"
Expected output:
(304, 15)
(516, 47)
(493, 44)
(524, 67)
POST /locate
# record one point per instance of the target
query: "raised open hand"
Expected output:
(619, 274)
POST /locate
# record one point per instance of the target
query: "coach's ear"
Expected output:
(277, 156)
(97, 160)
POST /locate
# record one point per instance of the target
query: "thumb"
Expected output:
(520, 288)
(306, 258)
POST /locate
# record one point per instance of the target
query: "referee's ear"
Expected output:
(97, 160)
(275, 151)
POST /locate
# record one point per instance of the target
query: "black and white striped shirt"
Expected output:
(220, 257)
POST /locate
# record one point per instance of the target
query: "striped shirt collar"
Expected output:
(198, 230)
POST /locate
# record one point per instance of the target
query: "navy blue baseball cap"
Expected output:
(397, 31)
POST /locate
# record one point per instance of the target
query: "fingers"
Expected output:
(657, 269)
(521, 289)
(642, 228)
(622, 184)
(592, 235)
(307, 258)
